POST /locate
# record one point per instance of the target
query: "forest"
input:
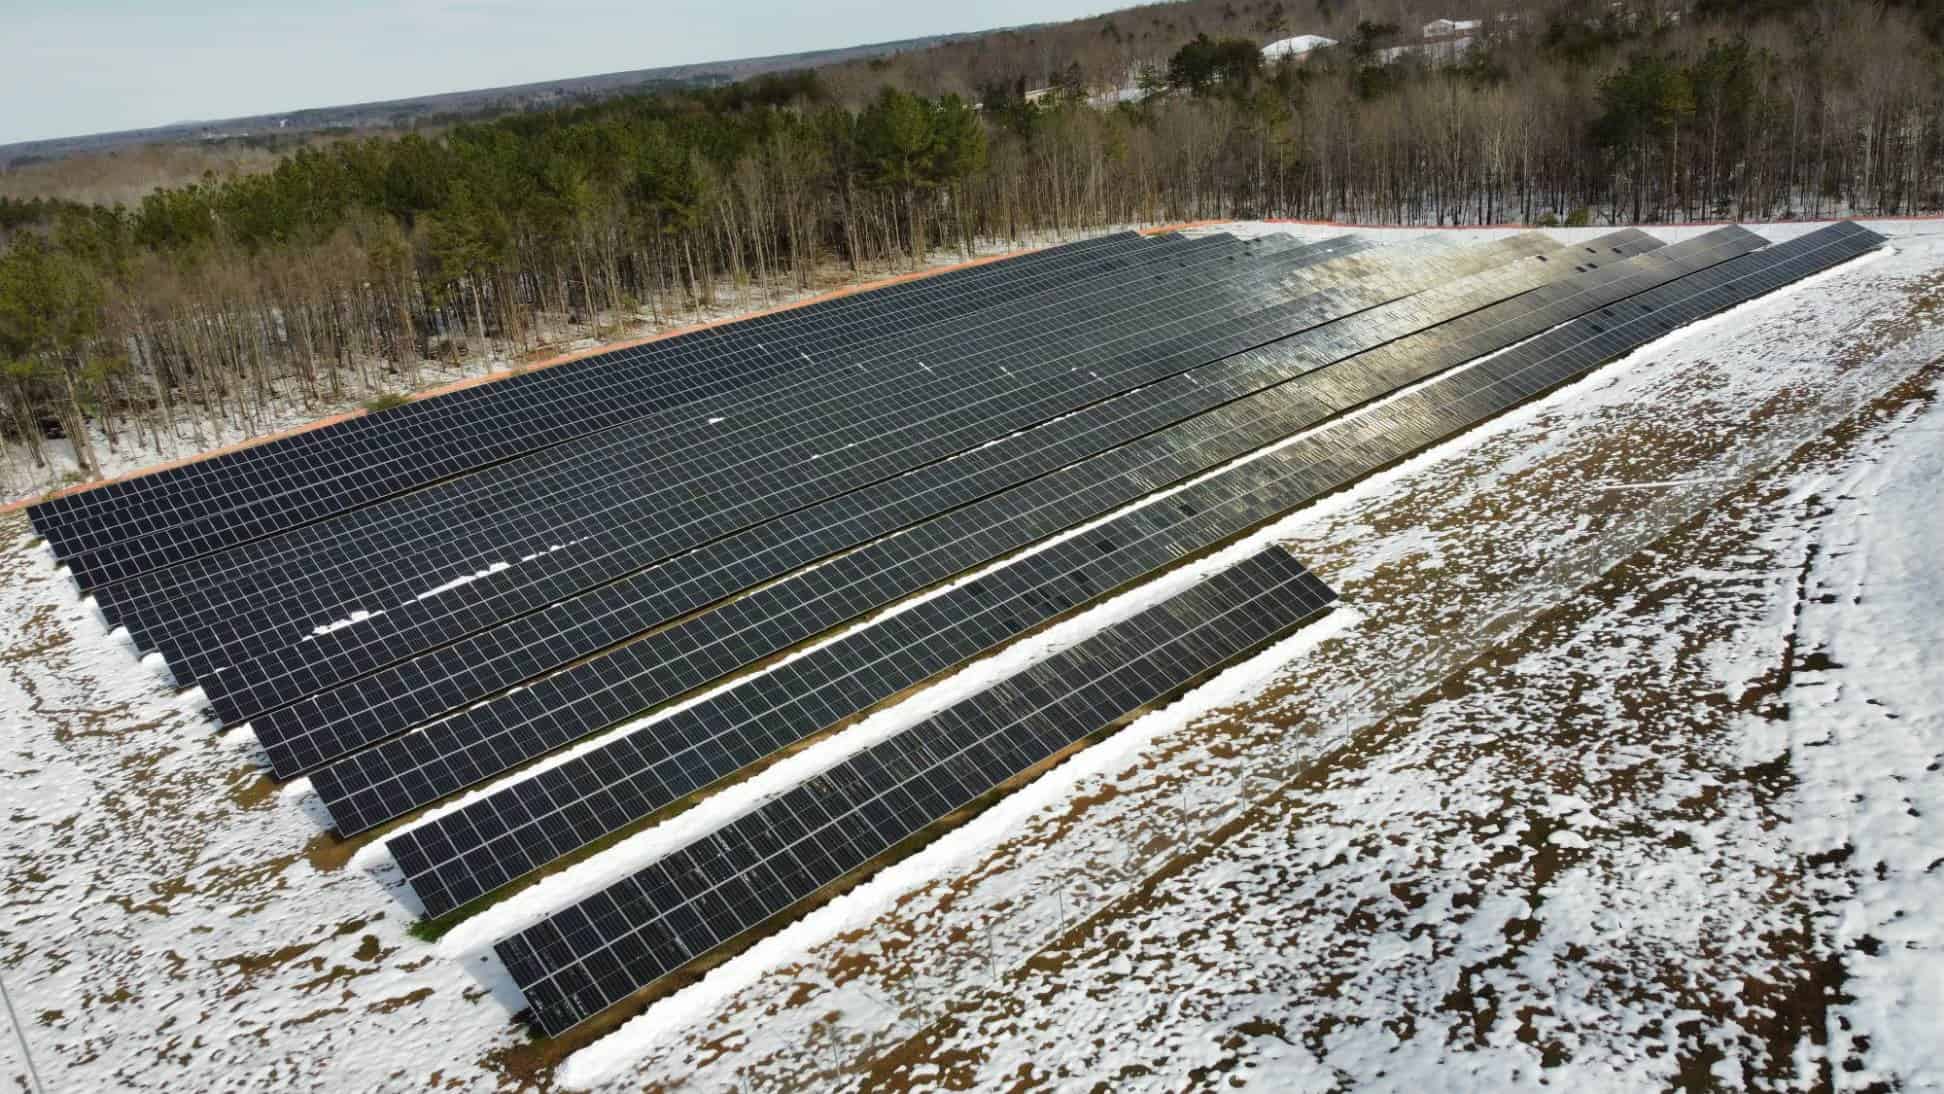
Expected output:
(212, 310)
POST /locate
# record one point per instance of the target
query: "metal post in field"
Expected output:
(20, 1032)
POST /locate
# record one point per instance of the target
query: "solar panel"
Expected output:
(646, 530)
(413, 529)
(471, 427)
(300, 736)
(464, 854)
(591, 955)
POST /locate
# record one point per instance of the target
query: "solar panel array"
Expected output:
(467, 853)
(359, 657)
(588, 956)
(813, 512)
(415, 690)
(386, 781)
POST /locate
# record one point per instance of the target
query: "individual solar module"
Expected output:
(355, 545)
(423, 441)
(586, 957)
(299, 736)
(357, 649)
(491, 840)
(1393, 429)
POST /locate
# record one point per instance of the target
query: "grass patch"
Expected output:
(386, 401)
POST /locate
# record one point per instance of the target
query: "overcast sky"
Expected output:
(87, 66)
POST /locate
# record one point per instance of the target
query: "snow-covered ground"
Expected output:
(1618, 768)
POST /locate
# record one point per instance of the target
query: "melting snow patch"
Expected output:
(192, 700)
(355, 617)
(159, 665)
(466, 580)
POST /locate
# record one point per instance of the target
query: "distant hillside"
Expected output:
(391, 114)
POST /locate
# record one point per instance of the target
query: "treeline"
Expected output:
(205, 311)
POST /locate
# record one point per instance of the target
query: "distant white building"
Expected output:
(1298, 47)
(1450, 28)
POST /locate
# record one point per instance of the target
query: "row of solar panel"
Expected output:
(420, 624)
(532, 410)
(377, 705)
(607, 946)
(494, 839)
(403, 548)
(599, 951)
